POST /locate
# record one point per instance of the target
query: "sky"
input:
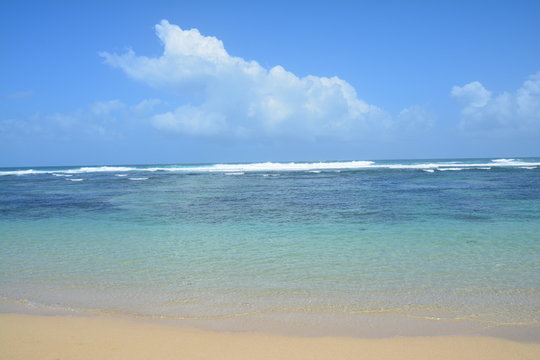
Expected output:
(155, 82)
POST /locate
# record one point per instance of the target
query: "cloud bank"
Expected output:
(483, 112)
(233, 97)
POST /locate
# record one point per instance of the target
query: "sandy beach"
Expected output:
(63, 337)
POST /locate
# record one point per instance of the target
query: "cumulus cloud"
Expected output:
(230, 96)
(519, 111)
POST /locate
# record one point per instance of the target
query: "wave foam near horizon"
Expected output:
(291, 166)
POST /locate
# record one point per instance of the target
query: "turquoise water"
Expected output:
(453, 239)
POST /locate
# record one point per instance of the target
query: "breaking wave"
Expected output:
(266, 167)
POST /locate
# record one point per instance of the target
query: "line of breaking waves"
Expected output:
(290, 166)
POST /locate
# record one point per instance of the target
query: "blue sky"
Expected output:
(127, 82)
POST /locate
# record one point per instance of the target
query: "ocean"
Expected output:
(280, 244)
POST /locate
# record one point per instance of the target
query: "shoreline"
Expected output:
(308, 325)
(91, 337)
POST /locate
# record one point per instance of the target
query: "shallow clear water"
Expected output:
(218, 241)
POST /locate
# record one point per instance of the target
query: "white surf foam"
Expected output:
(528, 167)
(503, 161)
(70, 172)
(75, 179)
(138, 178)
(24, 172)
(90, 169)
(428, 170)
(284, 167)
(235, 173)
(270, 166)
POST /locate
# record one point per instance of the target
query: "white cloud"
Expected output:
(190, 120)
(146, 106)
(473, 94)
(415, 118)
(233, 97)
(518, 111)
(101, 108)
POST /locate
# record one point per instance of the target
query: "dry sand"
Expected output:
(62, 337)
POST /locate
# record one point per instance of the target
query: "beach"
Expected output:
(381, 259)
(61, 337)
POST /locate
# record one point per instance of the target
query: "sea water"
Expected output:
(452, 239)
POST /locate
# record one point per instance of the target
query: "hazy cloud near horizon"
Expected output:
(111, 119)
(235, 98)
(483, 112)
